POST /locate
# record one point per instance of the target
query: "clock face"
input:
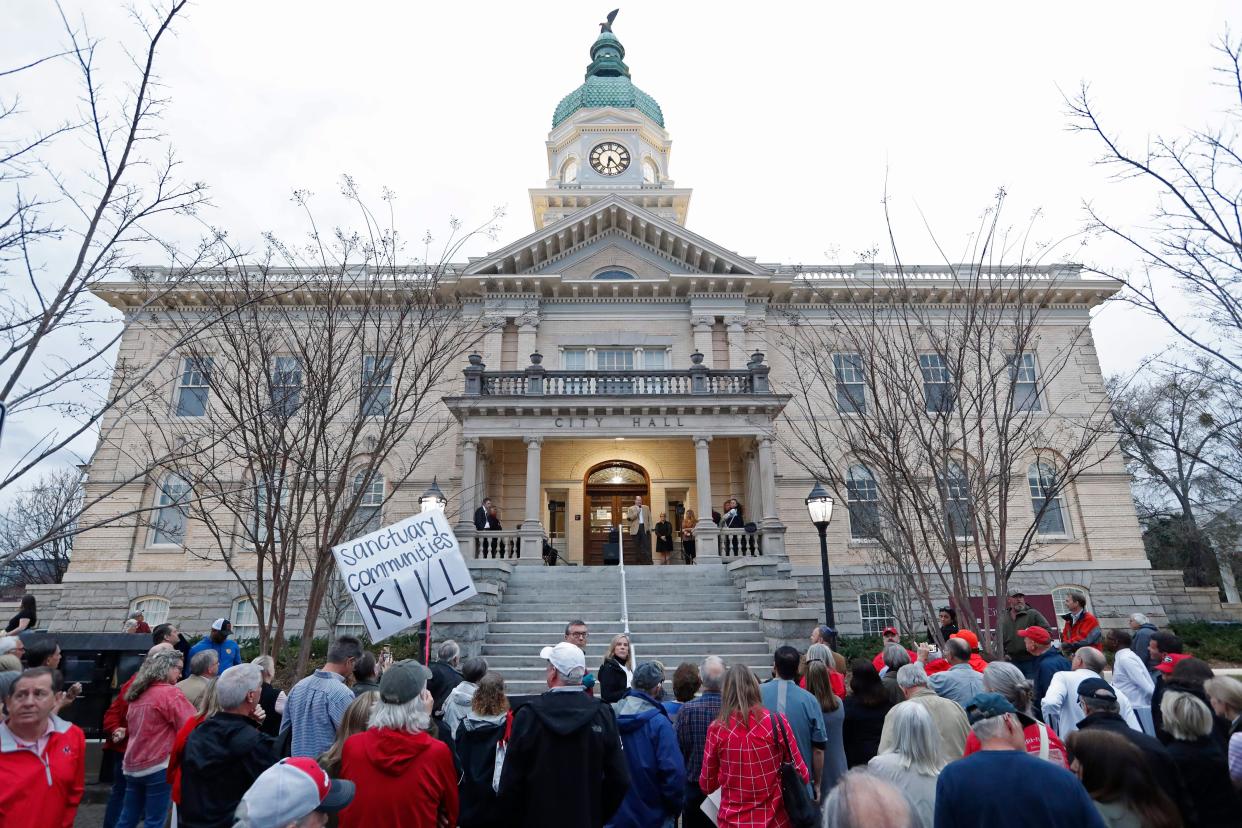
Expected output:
(610, 158)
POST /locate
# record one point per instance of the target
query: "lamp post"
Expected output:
(819, 505)
(433, 498)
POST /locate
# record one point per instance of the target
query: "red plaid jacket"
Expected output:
(742, 761)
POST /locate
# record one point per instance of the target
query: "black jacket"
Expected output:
(476, 743)
(1158, 759)
(444, 677)
(271, 719)
(612, 681)
(223, 757)
(564, 765)
(1206, 773)
(861, 729)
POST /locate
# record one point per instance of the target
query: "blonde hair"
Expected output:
(209, 702)
(612, 649)
(740, 697)
(688, 519)
(268, 665)
(1186, 718)
(355, 720)
(1226, 690)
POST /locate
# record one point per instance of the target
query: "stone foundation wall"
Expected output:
(1186, 603)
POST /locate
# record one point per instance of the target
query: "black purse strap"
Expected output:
(779, 737)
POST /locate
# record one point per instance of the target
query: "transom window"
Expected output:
(876, 611)
(154, 609)
(171, 509)
(614, 274)
(851, 392)
(1025, 377)
(1046, 500)
(194, 387)
(617, 475)
(937, 383)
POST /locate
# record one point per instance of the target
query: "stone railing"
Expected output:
(538, 381)
(738, 543)
(504, 545)
(870, 271)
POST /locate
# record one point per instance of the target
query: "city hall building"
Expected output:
(624, 354)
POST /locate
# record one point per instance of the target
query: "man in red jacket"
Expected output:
(402, 774)
(1081, 627)
(42, 757)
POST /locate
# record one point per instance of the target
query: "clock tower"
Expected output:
(608, 137)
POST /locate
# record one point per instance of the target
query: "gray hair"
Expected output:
(1092, 659)
(573, 677)
(8, 644)
(863, 800)
(203, 661)
(993, 728)
(449, 651)
(1095, 705)
(411, 717)
(896, 656)
(911, 675)
(236, 683)
(267, 664)
(712, 673)
(1139, 618)
(1006, 679)
(916, 739)
(1186, 718)
(820, 652)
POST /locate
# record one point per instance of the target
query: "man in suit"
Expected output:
(481, 515)
(639, 517)
(486, 520)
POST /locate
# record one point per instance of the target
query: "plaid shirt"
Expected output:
(692, 722)
(743, 763)
(314, 711)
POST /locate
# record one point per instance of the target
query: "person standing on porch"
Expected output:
(639, 517)
(687, 536)
(664, 538)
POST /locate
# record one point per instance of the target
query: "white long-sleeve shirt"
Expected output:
(1061, 702)
(1130, 676)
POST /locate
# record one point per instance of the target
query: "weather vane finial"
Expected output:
(606, 26)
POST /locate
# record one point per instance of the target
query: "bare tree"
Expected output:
(71, 226)
(941, 406)
(32, 519)
(1193, 242)
(1180, 432)
(305, 407)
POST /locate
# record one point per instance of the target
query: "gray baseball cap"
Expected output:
(403, 681)
(649, 675)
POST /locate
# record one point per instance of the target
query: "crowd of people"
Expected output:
(917, 737)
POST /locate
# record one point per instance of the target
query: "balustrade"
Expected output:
(536, 380)
(503, 545)
(739, 543)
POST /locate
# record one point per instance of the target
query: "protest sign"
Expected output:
(400, 574)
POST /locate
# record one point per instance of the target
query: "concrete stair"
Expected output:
(677, 613)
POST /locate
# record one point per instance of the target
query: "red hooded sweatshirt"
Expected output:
(43, 790)
(404, 779)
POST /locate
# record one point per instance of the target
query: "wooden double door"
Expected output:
(605, 510)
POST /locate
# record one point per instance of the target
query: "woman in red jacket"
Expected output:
(742, 757)
(157, 710)
(402, 775)
(42, 757)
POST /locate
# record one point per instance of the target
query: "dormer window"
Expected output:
(613, 274)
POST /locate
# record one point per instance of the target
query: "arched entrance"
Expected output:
(609, 488)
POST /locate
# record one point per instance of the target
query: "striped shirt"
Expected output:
(314, 710)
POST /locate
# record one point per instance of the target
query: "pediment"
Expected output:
(612, 250)
(659, 244)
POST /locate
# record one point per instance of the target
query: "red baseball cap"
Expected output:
(1167, 663)
(889, 631)
(1037, 634)
(967, 636)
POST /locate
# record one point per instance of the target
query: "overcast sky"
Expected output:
(788, 120)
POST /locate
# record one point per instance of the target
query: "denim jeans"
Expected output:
(116, 799)
(150, 793)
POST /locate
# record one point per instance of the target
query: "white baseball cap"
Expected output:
(564, 657)
(288, 791)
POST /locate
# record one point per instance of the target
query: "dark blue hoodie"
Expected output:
(657, 772)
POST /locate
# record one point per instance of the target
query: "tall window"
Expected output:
(574, 359)
(244, 619)
(368, 517)
(349, 622)
(286, 385)
(851, 392)
(376, 385)
(864, 503)
(1045, 495)
(1025, 378)
(655, 359)
(957, 511)
(194, 388)
(615, 359)
(937, 383)
(266, 491)
(171, 508)
(876, 611)
(154, 609)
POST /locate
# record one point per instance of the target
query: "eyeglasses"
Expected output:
(582, 634)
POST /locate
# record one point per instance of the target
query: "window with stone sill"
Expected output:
(172, 498)
(154, 609)
(193, 387)
(244, 619)
(876, 611)
(1048, 502)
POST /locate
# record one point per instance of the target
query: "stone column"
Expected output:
(705, 531)
(735, 331)
(468, 499)
(754, 495)
(770, 523)
(531, 531)
(703, 338)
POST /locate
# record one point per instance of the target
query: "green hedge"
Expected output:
(1211, 642)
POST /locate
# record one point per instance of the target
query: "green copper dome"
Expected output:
(607, 84)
